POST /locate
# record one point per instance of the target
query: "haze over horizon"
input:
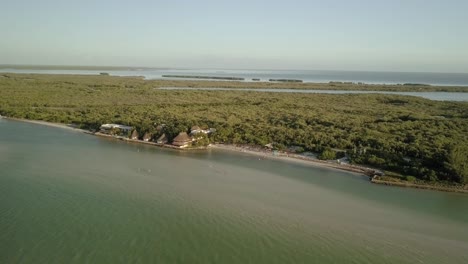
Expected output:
(413, 36)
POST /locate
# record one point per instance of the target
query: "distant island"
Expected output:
(203, 77)
(412, 141)
(286, 80)
(416, 84)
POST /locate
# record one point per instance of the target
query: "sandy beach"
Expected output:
(355, 169)
(291, 157)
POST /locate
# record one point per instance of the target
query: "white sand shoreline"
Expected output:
(291, 157)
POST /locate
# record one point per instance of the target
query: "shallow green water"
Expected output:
(66, 197)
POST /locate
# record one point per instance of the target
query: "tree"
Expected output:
(201, 140)
(327, 154)
(457, 162)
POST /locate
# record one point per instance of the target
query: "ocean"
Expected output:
(316, 76)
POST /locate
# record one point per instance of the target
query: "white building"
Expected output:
(107, 127)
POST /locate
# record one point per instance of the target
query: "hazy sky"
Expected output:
(394, 35)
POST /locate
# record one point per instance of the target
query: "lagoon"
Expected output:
(68, 197)
(437, 96)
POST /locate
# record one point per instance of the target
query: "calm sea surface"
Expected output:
(67, 197)
(452, 79)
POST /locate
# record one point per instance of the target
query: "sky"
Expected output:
(375, 35)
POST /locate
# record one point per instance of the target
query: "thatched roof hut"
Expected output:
(182, 140)
(134, 134)
(147, 136)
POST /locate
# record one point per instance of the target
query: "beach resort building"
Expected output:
(115, 129)
(182, 140)
(196, 130)
(147, 137)
(134, 135)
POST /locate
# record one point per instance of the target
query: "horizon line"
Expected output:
(109, 67)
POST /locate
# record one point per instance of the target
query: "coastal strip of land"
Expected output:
(286, 80)
(265, 153)
(72, 127)
(230, 147)
(379, 180)
(222, 82)
(292, 157)
(355, 169)
(168, 146)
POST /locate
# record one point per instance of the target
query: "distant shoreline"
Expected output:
(108, 67)
(300, 78)
(228, 78)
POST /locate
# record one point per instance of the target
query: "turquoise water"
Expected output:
(320, 76)
(67, 197)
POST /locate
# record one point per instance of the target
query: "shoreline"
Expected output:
(378, 180)
(98, 134)
(291, 157)
(137, 141)
(232, 82)
(355, 169)
(49, 124)
(257, 151)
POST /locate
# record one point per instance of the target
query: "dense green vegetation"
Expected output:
(423, 139)
(406, 87)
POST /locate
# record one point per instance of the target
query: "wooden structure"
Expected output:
(182, 140)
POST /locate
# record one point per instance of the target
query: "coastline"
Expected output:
(356, 169)
(257, 151)
(137, 141)
(72, 128)
(291, 157)
(379, 180)
(264, 83)
(45, 123)
(241, 149)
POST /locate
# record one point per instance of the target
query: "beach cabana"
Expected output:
(147, 137)
(182, 140)
(134, 135)
(109, 128)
